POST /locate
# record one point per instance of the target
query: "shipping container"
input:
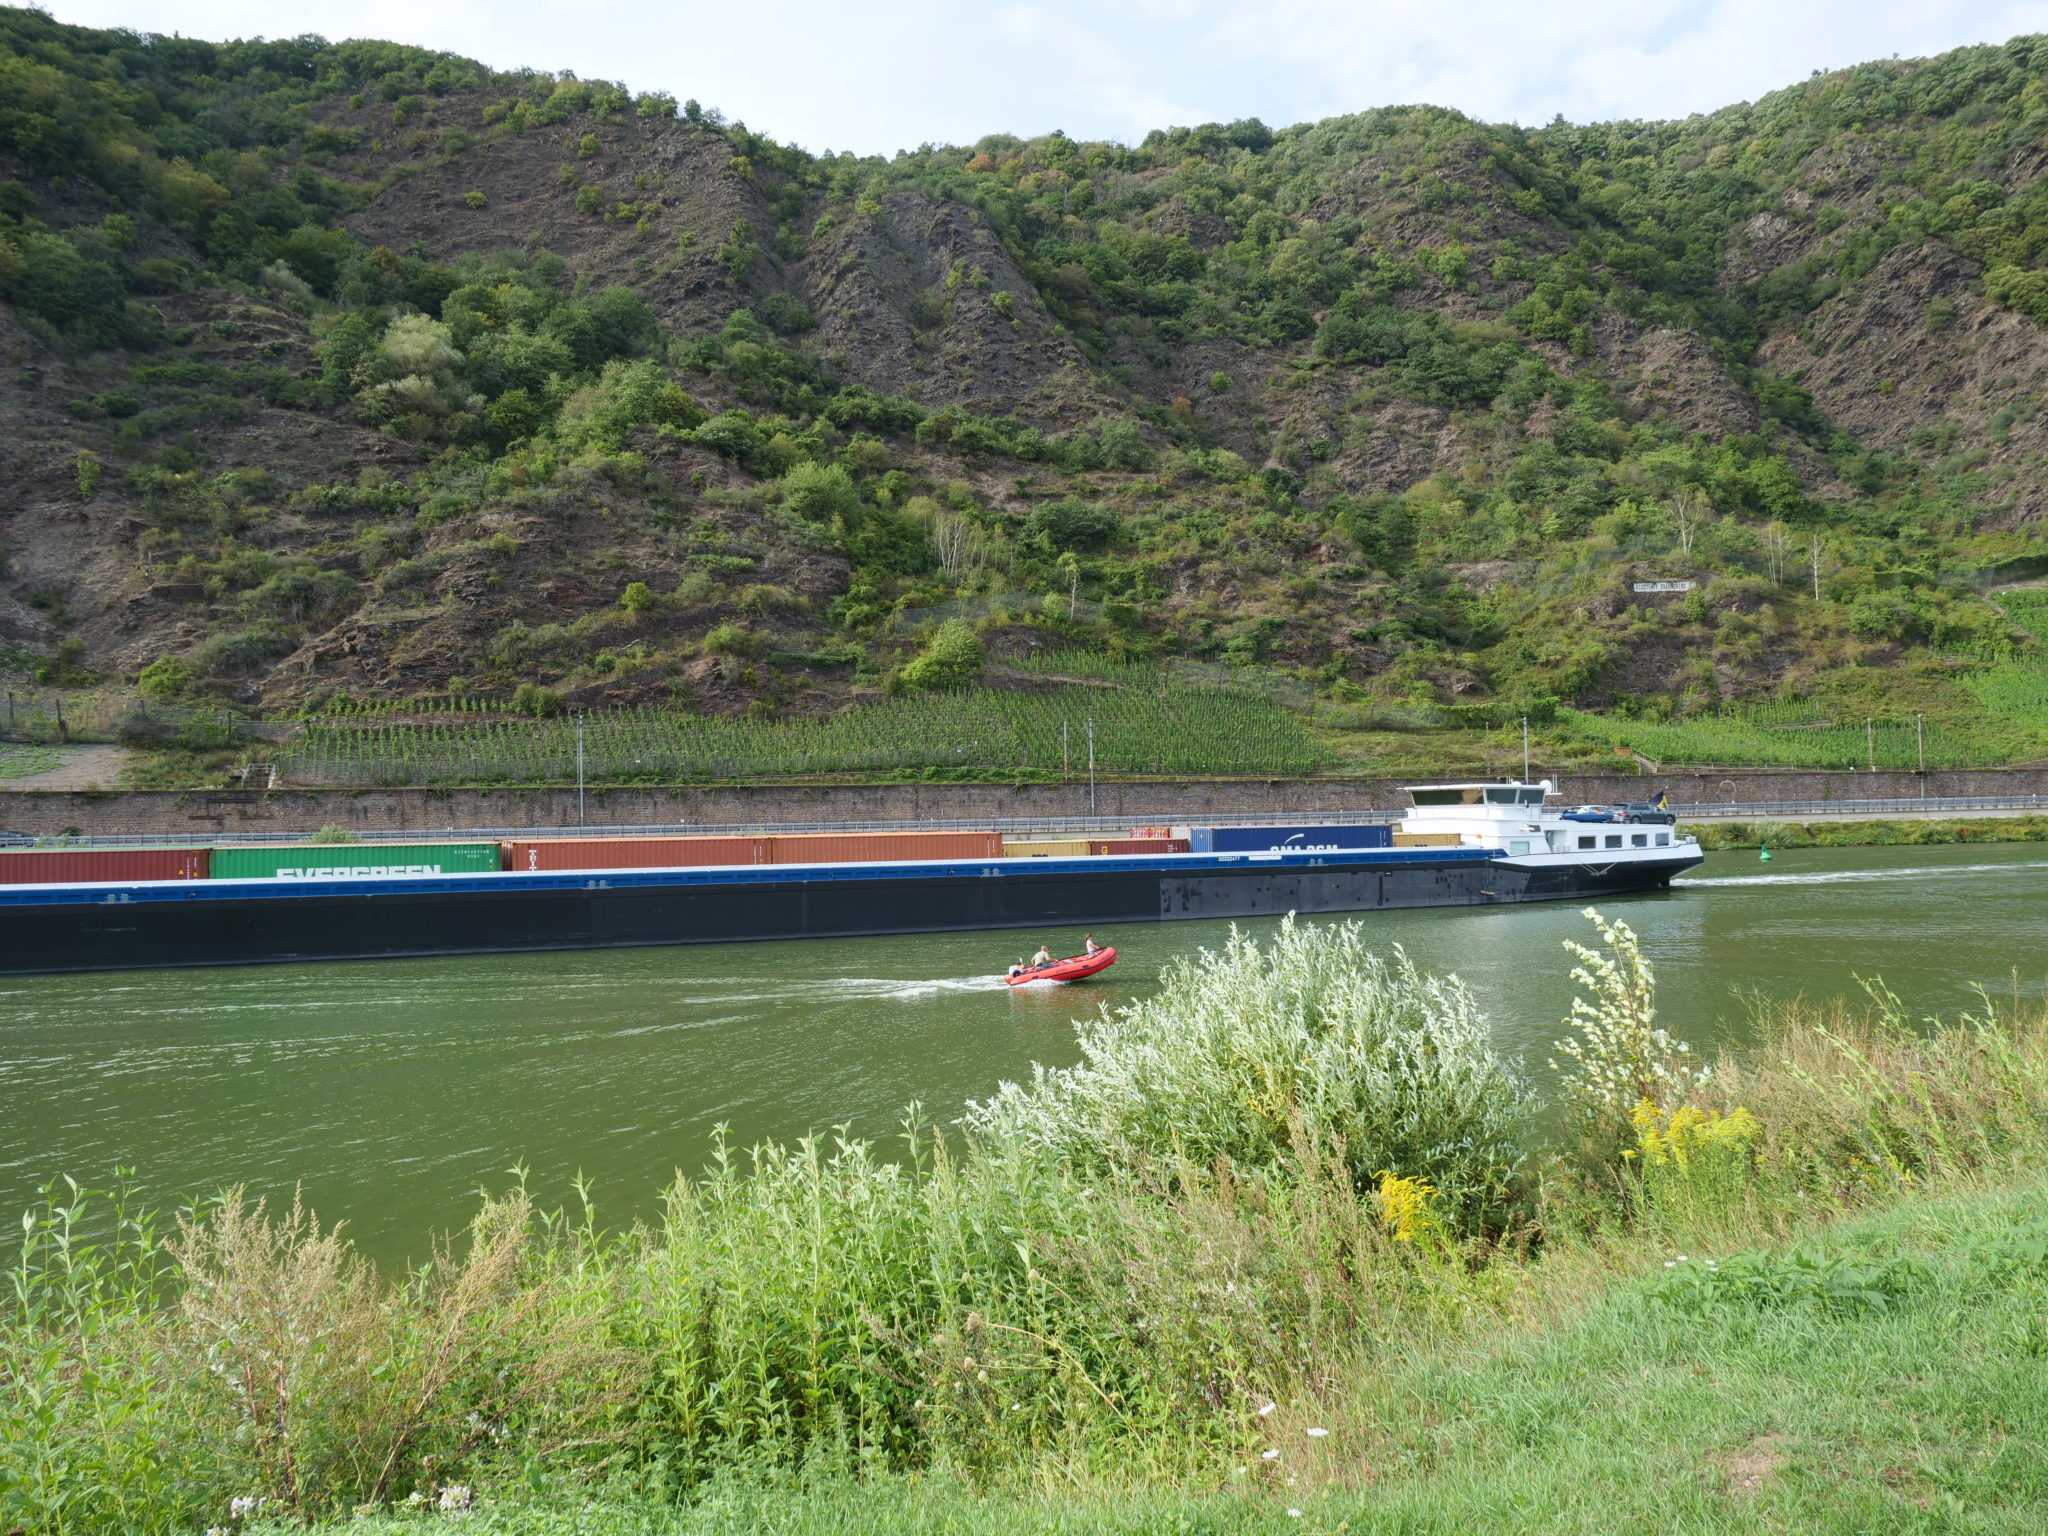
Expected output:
(1426, 840)
(880, 847)
(1289, 839)
(354, 861)
(1138, 845)
(634, 852)
(1046, 848)
(47, 866)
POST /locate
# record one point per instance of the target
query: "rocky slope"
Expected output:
(361, 370)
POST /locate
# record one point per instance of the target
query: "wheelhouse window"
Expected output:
(1640, 840)
(1589, 842)
(1663, 839)
(1520, 845)
(1614, 839)
(1532, 797)
(1456, 795)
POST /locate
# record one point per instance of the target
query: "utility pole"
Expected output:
(1920, 731)
(1816, 567)
(1066, 758)
(1091, 765)
(1870, 742)
(1525, 749)
(579, 770)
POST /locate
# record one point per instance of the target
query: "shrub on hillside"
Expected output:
(953, 659)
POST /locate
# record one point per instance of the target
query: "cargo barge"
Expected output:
(1459, 845)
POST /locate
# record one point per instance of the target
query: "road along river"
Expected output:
(392, 1090)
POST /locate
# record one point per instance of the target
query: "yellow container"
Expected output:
(1425, 839)
(1046, 848)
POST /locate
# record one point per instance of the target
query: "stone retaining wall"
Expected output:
(206, 813)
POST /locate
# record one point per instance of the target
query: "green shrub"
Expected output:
(820, 493)
(1256, 1054)
(240, 651)
(787, 314)
(1072, 524)
(731, 639)
(532, 699)
(952, 659)
(168, 677)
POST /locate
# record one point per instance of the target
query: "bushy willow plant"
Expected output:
(1246, 1050)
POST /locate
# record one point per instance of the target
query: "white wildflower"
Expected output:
(1269, 1454)
(1317, 1433)
(1620, 1056)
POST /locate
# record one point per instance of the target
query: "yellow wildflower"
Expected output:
(1404, 1207)
(1689, 1131)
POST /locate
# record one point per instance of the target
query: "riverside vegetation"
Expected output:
(357, 372)
(1292, 1243)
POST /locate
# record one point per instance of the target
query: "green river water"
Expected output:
(392, 1090)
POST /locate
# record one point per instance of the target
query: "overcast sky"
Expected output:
(890, 75)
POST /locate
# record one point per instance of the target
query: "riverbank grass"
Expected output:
(1881, 1374)
(1296, 1191)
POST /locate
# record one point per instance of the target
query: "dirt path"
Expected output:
(89, 767)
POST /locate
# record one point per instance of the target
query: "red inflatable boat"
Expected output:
(1071, 969)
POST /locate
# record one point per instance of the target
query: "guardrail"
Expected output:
(1731, 810)
(1792, 810)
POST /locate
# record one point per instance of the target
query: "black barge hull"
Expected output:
(241, 922)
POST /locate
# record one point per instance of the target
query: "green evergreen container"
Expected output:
(353, 861)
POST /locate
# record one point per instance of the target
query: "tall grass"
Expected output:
(1287, 1173)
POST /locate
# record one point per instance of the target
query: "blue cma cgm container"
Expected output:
(1288, 839)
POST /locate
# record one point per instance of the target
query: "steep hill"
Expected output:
(360, 370)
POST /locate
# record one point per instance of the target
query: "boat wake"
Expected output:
(1858, 876)
(944, 984)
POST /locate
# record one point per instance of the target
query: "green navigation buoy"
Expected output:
(1764, 854)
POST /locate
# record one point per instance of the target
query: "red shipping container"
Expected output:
(1139, 845)
(633, 853)
(881, 847)
(49, 866)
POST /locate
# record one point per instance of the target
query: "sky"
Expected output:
(892, 74)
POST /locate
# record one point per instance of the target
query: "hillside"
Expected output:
(357, 372)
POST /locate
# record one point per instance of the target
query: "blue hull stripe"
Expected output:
(97, 894)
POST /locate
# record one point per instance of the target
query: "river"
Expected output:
(392, 1090)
